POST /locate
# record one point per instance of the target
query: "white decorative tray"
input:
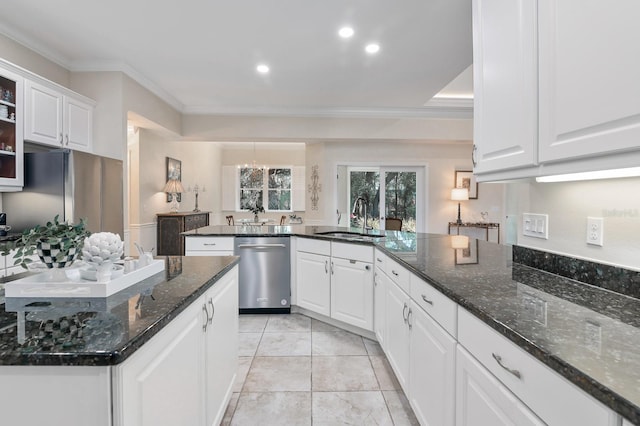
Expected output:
(40, 285)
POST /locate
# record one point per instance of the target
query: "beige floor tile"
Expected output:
(285, 344)
(244, 362)
(273, 408)
(373, 348)
(279, 374)
(317, 326)
(352, 408)
(384, 373)
(248, 343)
(400, 410)
(288, 323)
(343, 373)
(231, 408)
(253, 323)
(337, 343)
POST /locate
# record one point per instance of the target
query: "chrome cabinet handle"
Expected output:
(206, 321)
(404, 317)
(409, 319)
(326, 266)
(375, 279)
(473, 155)
(394, 272)
(427, 300)
(378, 259)
(213, 311)
(67, 139)
(209, 244)
(61, 143)
(331, 268)
(498, 359)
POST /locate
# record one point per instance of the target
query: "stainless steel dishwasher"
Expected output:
(265, 274)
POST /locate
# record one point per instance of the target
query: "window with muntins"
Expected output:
(272, 184)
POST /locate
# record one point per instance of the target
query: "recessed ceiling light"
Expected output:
(372, 48)
(346, 32)
(262, 69)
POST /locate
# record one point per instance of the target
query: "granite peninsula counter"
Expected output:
(122, 360)
(588, 335)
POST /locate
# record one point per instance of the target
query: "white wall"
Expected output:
(568, 204)
(442, 160)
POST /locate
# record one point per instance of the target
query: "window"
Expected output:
(272, 184)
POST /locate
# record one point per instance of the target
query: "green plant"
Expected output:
(69, 236)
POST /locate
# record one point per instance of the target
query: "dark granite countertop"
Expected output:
(589, 335)
(103, 331)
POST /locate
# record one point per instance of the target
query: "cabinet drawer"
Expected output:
(352, 252)
(311, 245)
(437, 305)
(209, 244)
(380, 260)
(398, 274)
(536, 379)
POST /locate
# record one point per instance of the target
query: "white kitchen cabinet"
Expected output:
(397, 333)
(352, 292)
(482, 400)
(552, 95)
(57, 119)
(208, 246)
(380, 283)
(589, 61)
(336, 279)
(505, 84)
(195, 356)
(432, 370)
(529, 379)
(221, 354)
(11, 131)
(313, 282)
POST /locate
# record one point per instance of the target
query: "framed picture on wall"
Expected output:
(468, 255)
(466, 179)
(174, 170)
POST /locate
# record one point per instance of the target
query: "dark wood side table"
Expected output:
(170, 225)
(481, 225)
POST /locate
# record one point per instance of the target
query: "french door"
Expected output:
(390, 192)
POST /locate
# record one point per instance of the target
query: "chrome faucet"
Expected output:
(361, 202)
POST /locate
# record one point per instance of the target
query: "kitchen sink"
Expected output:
(352, 236)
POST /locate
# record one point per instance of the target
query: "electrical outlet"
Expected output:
(595, 231)
(535, 225)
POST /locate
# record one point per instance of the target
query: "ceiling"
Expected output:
(201, 56)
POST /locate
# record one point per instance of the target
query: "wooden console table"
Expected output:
(171, 225)
(478, 225)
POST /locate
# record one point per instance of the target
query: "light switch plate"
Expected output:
(535, 225)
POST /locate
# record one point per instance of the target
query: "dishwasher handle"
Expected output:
(242, 246)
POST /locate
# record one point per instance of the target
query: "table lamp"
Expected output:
(459, 194)
(173, 187)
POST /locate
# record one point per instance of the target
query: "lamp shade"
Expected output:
(460, 194)
(173, 186)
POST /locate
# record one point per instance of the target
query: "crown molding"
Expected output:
(138, 77)
(34, 45)
(427, 111)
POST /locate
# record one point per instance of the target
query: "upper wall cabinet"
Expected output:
(505, 89)
(556, 87)
(589, 77)
(11, 142)
(57, 119)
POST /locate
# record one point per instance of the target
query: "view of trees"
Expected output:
(400, 197)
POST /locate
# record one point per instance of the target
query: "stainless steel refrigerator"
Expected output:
(71, 184)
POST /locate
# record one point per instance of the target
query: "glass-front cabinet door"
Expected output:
(11, 131)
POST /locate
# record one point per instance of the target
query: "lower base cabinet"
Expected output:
(482, 400)
(185, 374)
(432, 368)
(397, 333)
(352, 292)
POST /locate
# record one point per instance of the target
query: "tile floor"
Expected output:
(295, 370)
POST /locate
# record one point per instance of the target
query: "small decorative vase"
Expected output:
(57, 253)
(103, 271)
